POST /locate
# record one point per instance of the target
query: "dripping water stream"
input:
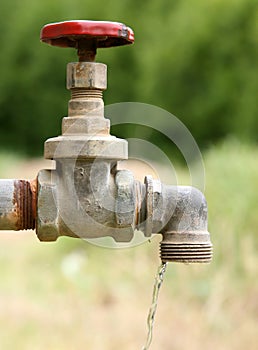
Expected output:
(151, 316)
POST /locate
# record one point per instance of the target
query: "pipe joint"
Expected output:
(185, 235)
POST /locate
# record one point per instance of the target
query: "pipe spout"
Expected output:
(185, 235)
(180, 215)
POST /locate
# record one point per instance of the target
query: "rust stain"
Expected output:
(138, 199)
(34, 191)
(24, 201)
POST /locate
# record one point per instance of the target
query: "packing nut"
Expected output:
(86, 75)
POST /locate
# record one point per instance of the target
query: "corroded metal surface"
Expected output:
(86, 75)
(185, 235)
(91, 147)
(185, 253)
(17, 205)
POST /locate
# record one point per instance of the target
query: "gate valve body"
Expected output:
(86, 195)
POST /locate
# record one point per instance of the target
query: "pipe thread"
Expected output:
(185, 253)
(81, 93)
(24, 202)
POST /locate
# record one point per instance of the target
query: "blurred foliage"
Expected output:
(196, 59)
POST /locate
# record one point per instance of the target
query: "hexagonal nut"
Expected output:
(47, 213)
(88, 75)
(86, 146)
(153, 200)
(125, 201)
(86, 107)
(154, 190)
(90, 126)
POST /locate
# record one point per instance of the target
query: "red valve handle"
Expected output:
(69, 33)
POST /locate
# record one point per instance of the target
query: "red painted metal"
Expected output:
(106, 34)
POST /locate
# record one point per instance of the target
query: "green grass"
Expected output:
(73, 295)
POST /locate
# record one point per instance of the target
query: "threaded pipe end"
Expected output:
(185, 253)
(25, 206)
(81, 93)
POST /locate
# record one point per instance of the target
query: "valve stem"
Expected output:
(78, 93)
(87, 50)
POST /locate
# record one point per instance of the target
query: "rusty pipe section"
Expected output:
(17, 204)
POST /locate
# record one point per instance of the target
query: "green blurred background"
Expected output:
(196, 59)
